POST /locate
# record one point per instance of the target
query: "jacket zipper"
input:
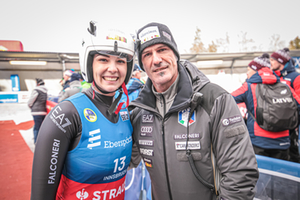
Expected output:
(164, 147)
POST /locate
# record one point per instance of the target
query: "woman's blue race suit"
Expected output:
(88, 165)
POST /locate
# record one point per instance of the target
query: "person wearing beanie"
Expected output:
(284, 67)
(281, 56)
(74, 87)
(263, 141)
(65, 81)
(181, 120)
(37, 104)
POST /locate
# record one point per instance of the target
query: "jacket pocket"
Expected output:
(181, 156)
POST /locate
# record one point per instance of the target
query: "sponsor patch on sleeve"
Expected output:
(231, 120)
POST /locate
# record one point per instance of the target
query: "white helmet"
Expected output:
(105, 41)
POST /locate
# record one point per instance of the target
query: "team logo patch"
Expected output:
(183, 117)
(147, 118)
(146, 131)
(149, 33)
(191, 145)
(90, 115)
(124, 115)
(148, 162)
(231, 120)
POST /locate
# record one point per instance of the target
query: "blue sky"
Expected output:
(56, 26)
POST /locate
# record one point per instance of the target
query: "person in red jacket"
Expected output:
(283, 65)
(264, 142)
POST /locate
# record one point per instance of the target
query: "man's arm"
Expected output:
(233, 150)
(239, 95)
(135, 155)
(32, 98)
(296, 85)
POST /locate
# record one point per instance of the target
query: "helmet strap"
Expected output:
(102, 91)
(114, 104)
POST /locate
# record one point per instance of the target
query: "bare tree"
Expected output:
(223, 43)
(276, 43)
(212, 47)
(244, 42)
(198, 45)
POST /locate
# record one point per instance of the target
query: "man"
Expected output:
(283, 65)
(37, 104)
(65, 82)
(163, 125)
(265, 142)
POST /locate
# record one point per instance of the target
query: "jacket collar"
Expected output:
(288, 68)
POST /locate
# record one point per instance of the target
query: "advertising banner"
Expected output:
(15, 82)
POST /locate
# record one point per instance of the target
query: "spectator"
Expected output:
(74, 87)
(283, 65)
(84, 84)
(37, 104)
(177, 132)
(65, 82)
(264, 142)
(134, 85)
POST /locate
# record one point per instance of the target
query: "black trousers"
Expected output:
(294, 150)
(273, 153)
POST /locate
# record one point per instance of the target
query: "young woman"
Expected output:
(84, 144)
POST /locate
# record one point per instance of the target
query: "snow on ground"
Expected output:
(19, 112)
(227, 81)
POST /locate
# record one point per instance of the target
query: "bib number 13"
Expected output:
(119, 164)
